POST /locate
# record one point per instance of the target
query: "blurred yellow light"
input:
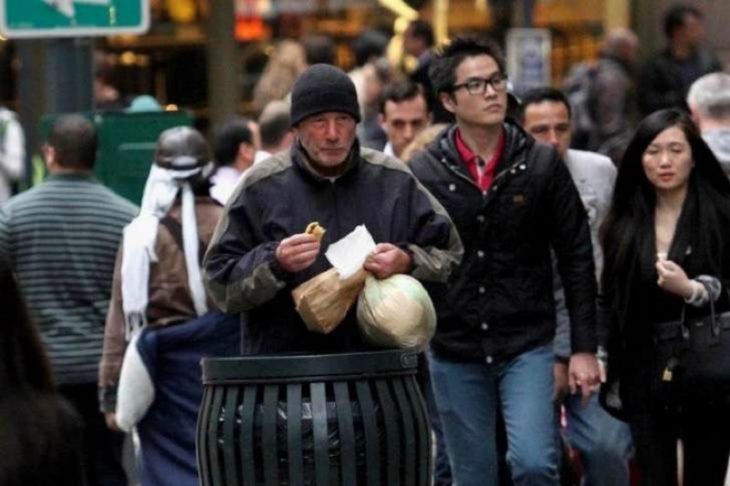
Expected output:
(171, 107)
(128, 58)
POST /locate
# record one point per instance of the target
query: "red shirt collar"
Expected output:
(471, 160)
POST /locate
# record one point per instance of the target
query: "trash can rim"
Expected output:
(283, 366)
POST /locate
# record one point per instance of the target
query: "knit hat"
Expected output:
(322, 88)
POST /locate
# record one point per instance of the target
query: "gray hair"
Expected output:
(617, 40)
(710, 96)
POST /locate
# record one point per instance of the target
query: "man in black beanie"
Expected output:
(260, 250)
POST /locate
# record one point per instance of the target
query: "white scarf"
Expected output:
(140, 235)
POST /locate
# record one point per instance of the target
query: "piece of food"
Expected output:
(315, 229)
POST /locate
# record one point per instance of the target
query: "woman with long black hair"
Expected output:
(39, 435)
(667, 255)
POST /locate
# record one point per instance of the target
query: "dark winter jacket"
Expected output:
(500, 302)
(279, 198)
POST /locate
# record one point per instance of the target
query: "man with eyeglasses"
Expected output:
(511, 199)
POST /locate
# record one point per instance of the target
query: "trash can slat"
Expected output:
(424, 438)
(229, 453)
(271, 465)
(294, 434)
(348, 457)
(248, 409)
(215, 469)
(392, 435)
(409, 448)
(319, 429)
(372, 458)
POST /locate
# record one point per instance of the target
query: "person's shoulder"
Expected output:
(595, 160)
(432, 152)
(267, 168)
(380, 159)
(116, 203)
(23, 198)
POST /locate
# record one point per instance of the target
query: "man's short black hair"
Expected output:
(74, 140)
(228, 137)
(319, 49)
(676, 16)
(398, 91)
(538, 95)
(421, 29)
(274, 123)
(370, 45)
(443, 67)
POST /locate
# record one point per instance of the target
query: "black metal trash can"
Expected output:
(341, 419)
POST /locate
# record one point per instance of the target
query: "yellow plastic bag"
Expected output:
(323, 301)
(396, 312)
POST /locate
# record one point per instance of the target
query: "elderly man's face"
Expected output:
(327, 138)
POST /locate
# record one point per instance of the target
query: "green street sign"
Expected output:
(21, 19)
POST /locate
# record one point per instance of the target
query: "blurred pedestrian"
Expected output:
(40, 434)
(319, 49)
(368, 47)
(157, 283)
(615, 92)
(666, 251)
(511, 200)
(260, 251)
(275, 128)
(667, 75)
(285, 63)
(604, 443)
(234, 150)
(12, 153)
(419, 41)
(61, 238)
(404, 114)
(709, 102)
(376, 75)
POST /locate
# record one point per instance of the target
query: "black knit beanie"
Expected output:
(322, 88)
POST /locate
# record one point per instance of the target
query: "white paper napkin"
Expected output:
(348, 255)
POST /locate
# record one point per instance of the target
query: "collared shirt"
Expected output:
(481, 171)
(388, 150)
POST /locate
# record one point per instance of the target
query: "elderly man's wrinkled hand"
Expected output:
(387, 260)
(298, 252)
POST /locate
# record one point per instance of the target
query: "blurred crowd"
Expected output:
(557, 230)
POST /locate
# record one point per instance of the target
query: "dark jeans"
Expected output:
(102, 447)
(705, 433)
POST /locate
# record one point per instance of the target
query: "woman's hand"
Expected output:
(673, 279)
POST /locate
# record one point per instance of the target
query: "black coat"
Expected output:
(280, 197)
(500, 302)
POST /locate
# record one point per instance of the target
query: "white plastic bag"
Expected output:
(396, 312)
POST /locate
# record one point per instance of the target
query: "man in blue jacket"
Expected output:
(260, 250)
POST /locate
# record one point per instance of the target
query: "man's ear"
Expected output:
(49, 156)
(381, 121)
(694, 114)
(448, 101)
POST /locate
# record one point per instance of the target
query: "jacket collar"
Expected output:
(301, 160)
(517, 142)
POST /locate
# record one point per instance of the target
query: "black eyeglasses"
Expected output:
(478, 86)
